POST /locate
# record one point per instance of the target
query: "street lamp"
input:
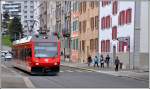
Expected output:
(128, 41)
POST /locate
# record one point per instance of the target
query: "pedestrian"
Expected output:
(107, 60)
(96, 61)
(102, 61)
(89, 60)
(117, 62)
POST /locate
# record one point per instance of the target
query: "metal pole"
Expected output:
(129, 50)
(64, 49)
(1, 31)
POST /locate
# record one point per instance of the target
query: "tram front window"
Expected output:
(44, 50)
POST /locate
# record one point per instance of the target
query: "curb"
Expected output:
(79, 68)
(105, 73)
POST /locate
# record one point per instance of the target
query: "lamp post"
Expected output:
(128, 41)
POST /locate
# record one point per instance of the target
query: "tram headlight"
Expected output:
(46, 60)
(55, 63)
(36, 63)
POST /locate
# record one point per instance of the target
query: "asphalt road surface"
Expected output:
(67, 78)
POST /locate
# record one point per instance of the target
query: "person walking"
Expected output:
(102, 61)
(96, 61)
(117, 62)
(89, 60)
(107, 60)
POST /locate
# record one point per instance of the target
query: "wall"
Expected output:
(122, 31)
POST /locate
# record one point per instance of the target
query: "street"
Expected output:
(67, 78)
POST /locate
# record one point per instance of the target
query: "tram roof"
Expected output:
(50, 38)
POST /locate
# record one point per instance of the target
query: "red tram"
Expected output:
(37, 55)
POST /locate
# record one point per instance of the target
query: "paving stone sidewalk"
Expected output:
(136, 74)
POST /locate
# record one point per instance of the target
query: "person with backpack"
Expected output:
(96, 61)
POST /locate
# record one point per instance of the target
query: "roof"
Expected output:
(50, 38)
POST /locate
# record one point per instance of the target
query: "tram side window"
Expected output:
(21, 54)
(29, 52)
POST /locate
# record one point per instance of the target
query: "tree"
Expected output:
(6, 16)
(6, 19)
(15, 29)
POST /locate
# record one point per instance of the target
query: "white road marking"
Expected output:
(61, 71)
(79, 71)
(88, 71)
(69, 71)
(28, 82)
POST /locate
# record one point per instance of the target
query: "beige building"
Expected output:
(88, 29)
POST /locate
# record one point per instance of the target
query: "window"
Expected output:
(107, 46)
(115, 7)
(90, 44)
(107, 21)
(31, 1)
(31, 16)
(102, 23)
(31, 11)
(103, 46)
(105, 2)
(25, 16)
(128, 15)
(92, 4)
(97, 3)
(81, 8)
(73, 44)
(96, 22)
(76, 44)
(122, 18)
(25, 11)
(31, 6)
(83, 45)
(114, 32)
(84, 6)
(80, 25)
(96, 44)
(25, 2)
(122, 45)
(25, 6)
(84, 26)
(80, 45)
(92, 23)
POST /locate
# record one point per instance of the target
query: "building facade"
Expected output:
(75, 31)
(66, 29)
(88, 29)
(27, 16)
(36, 16)
(13, 8)
(116, 30)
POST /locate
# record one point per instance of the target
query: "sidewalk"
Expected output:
(136, 74)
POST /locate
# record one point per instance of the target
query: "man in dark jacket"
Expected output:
(89, 60)
(107, 60)
(117, 63)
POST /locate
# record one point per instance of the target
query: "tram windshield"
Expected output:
(43, 50)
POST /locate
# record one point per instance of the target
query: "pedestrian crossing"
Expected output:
(72, 71)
